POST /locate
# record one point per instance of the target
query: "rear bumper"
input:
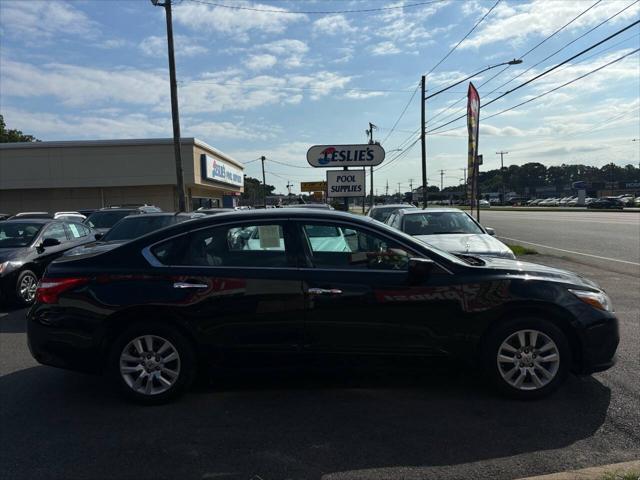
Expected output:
(62, 347)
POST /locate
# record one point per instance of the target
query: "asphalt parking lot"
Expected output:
(438, 422)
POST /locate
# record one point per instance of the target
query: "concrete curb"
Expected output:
(593, 473)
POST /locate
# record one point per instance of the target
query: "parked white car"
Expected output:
(451, 230)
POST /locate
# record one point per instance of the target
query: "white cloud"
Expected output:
(113, 123)
(406, 27)
(260, 62)
(385, 48)
(332, 25)
(291, 51)
(47, 126)
(234, 23)
(518, 22)
(155, 46)
(45, 20)
(76, 86)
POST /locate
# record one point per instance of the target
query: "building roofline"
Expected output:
(120, 142)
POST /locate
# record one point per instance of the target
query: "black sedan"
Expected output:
(606, 203)
(27, 246)
(311, 284)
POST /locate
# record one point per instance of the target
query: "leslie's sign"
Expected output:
(220, 171)
(345, 155)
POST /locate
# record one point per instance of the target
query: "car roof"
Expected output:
(32, 220)
(395, 205)
(414, 211)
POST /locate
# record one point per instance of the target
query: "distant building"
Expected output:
(70, 175)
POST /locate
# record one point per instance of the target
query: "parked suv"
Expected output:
(102, 220)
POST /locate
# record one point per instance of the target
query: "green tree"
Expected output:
(12, 136)
(253, 192)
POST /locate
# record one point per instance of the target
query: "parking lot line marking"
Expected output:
(571, 251)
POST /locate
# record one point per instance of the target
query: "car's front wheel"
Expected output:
(26, 286)
(152, 363)
(527, 358)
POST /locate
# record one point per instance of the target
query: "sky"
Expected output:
(275, 77)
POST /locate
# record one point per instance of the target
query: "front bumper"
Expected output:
(599, 344)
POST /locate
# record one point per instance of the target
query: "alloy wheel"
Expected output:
(150, 365)
(528, 360)
(27, 288)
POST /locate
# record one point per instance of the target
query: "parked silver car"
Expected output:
(451, 230)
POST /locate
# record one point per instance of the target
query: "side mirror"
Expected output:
(419, 269)
(98, 236)
(490, 231)
(49, 242)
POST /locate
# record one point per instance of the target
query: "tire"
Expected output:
(25, 291)
(540, 370)
(171, 368)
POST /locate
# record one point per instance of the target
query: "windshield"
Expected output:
(137, 226)
(106, 219)
(18, 234)
(439, 223)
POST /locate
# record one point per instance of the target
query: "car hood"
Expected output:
(92, 248)
(7, 254)
(469, 243)
(537, 271)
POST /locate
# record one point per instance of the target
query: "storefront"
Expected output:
(72, 175)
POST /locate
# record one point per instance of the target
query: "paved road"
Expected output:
(337, 425)
(611, 236)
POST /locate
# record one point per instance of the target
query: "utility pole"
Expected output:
(398, 188)
(370, 133)
(411, 184)
(502, 154)
(424, 142)
(289, 185)
(264, 183)
(175, 115)
(386, 190)
(441, 180)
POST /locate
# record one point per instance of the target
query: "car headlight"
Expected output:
(6, 267)
(599, 300)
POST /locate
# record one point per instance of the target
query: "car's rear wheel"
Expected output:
(527, 358)
(152, 363)
(26, 286)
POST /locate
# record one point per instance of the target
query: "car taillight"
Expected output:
(49, 289)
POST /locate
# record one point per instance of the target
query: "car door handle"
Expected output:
(189, 285)
(324, 291)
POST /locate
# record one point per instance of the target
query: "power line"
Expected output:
(553, 89)
(402, 113)
(566, 45)
(527, 53)
(546, 72)
(463, 38)
(564, 84)
(317, 12)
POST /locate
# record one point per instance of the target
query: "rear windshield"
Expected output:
(137, 226)
(383, 213)
(18, 234)
(106, 219)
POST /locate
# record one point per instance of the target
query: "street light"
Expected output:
(423, 106)
(174, 104)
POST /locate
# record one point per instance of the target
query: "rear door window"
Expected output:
(243, 245)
